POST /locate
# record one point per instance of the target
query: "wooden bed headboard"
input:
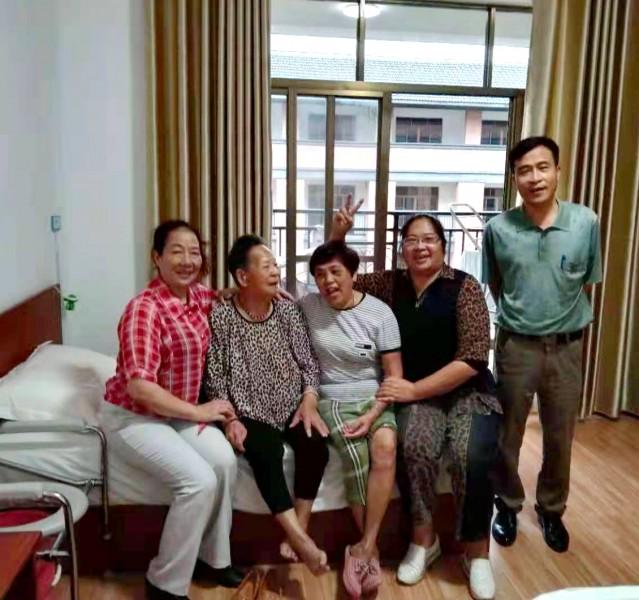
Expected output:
(28, 324)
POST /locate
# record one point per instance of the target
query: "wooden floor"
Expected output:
(602, 517)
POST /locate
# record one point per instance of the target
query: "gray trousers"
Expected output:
(200, 470)
(552, 370)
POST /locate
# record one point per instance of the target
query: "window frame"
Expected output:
(499, 199)
(495, 125)
(383, 93)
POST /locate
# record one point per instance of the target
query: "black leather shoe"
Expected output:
(555, 534)
(229, 577)
(504, 527)
(155, 593)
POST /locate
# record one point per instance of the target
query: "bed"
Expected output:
(30, 338)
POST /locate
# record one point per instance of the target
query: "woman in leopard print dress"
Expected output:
(446, 403)
(261, 360)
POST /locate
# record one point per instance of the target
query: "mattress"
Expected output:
(76, 456)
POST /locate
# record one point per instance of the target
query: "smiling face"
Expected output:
(422, 248)
(335, 283)
(536, 176)
(180, 262)
(261, 275)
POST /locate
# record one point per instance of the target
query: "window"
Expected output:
(493, 198)
(418, 131)
(494, 133)
(423, 56)
(344, 127)
(405, 42)
(341, 192)
(315, 200)
(415, 198)
(317, 127)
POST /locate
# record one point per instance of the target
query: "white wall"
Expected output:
(102, 164)
(28, 117)
(73, 131)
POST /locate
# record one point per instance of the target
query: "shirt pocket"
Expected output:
(573, 267)
(363, 349)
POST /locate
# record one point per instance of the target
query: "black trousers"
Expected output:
(264, 451)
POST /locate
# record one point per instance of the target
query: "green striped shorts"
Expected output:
(354, 452)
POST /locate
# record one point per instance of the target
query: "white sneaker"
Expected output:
(417, 560)
(480, 578)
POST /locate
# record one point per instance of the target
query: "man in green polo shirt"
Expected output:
(538, 258)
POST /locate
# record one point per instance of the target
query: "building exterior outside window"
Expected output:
(493, 198)
(494, 133)
(415, 198)
(446, 149)
(418, 131)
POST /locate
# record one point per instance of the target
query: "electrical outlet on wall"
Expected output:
(56, 223)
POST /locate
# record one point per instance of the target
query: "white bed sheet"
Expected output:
(76, 456)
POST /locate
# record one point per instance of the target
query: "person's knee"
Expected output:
(384, 449)
(225, 460)
(415, 450)
(480, 461)
(315, 451)
(202, 482)
(265, 453)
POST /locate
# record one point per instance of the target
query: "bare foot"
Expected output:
(287, 552)
(314, 558)
(360, 551)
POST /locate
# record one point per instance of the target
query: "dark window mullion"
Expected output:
(291, 189)
(329, 166)
(361, 40)
(490, 47)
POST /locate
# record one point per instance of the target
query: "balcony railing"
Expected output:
(464, 236)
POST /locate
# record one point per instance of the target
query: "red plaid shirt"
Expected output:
(163, 341)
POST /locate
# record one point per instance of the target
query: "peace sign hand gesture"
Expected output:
(343, 219)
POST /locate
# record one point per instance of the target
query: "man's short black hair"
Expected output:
(528, 144)
(238, 256)
(334, 250)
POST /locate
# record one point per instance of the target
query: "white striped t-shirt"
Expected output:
(348, 344)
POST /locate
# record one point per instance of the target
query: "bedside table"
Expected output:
(17, 568)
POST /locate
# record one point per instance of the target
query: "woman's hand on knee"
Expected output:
(308, 414)
(215, 410)
(236, 434)
(358, 427)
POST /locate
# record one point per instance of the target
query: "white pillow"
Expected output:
(56, 381)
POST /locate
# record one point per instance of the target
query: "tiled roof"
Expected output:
(441, 100)
(295, 65)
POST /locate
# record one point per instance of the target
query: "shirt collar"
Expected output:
(562, 220)
(447, 272)
(170, 300)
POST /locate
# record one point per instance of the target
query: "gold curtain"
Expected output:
(211, 118)
(583, 90)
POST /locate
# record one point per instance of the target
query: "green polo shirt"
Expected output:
(541, 273)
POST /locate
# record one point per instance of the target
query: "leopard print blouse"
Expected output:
(261, 367)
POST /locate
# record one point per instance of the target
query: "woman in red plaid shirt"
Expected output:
(152, 415)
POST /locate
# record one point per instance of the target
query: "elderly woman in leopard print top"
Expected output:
(261, 360)
(446, 403)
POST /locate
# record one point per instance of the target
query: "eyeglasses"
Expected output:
(427, 240)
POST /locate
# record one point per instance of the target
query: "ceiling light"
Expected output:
(352, 10)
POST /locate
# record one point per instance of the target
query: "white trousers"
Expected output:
(200, 470)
